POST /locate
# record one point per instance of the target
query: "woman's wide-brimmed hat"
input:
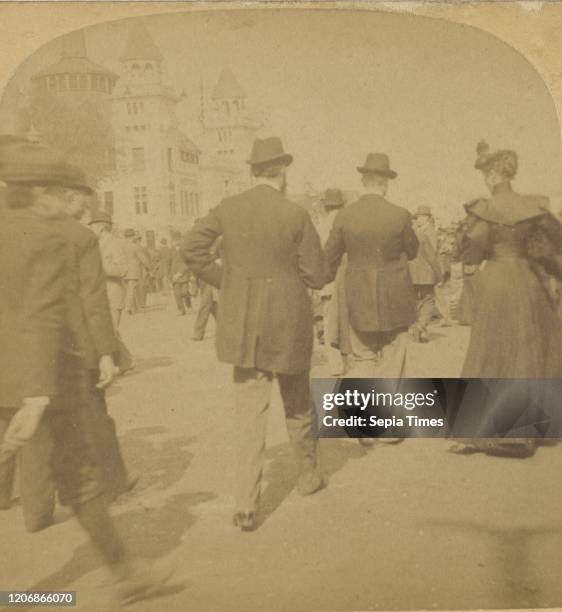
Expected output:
(377, 163)
(269, 151)
(333, 198)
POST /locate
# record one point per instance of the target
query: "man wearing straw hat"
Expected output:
(271, 256)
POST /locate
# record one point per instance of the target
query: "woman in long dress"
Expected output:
(516, 329)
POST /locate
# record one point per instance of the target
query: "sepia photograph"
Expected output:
(280, 306)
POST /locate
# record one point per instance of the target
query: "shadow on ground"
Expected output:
(147, 532)
(280, 473)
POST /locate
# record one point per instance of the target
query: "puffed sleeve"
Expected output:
(473, 240)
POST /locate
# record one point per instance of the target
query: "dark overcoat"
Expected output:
(89, 314)
(379, 240)
(271, 255)
(33, 290)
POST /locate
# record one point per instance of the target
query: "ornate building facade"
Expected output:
(158, 181)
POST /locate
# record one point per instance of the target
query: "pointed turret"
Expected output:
(140, 45)
(227, 87)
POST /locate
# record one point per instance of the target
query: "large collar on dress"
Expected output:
(506, 207)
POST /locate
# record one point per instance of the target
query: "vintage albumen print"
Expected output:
(280, 306)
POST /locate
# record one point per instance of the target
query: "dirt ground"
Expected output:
(401, 527)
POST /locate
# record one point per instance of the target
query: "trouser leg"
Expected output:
(206, 303)
(179, 297)
(37, 490)
(96, 522)
(130, 296)
(8, 466)
(299, 415)
(425, 305)
(187, 297)
(252, 395)
(335, 360)
(101, 438)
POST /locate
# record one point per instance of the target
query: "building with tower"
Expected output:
(156, 188)
(75, 73)
(228, 130)
(157, 180)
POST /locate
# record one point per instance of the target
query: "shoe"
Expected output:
(366, 443)
(142, 581)
(41, 525)
(310, 482)
(246, 521)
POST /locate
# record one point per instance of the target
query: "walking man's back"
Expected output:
(271, 255)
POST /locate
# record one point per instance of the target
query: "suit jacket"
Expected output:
(164, 261)
(425, 268)
(138, 262)
(114, 263)
(179, 271)
(89, 315)
(379, 240)
(33, 290)
(270, 254)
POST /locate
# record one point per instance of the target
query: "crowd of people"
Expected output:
(369, 276)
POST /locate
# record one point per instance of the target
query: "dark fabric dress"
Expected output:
(516, 329)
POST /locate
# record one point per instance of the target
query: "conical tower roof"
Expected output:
(74, 59)
(227, 86)
(140, 45)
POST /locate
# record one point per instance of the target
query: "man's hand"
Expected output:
(23, 424)
(108, 371)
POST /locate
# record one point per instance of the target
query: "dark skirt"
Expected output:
(516, 329)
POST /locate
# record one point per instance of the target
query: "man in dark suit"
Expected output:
(41, 371)
(271, 255)
(379, 240)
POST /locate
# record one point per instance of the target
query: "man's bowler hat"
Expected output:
(377, 163)
(269, 151)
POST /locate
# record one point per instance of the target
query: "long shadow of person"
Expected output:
(149, 532)
(280, 472)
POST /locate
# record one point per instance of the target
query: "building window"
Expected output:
(141, 201)
(83, 82)
(95, 82)
(52, 82)
(62, 81)
(138, 158)
(108, 202)
(173, 203)
(73, 81)
(170, 160)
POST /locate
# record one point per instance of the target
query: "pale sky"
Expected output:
(336, 85)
